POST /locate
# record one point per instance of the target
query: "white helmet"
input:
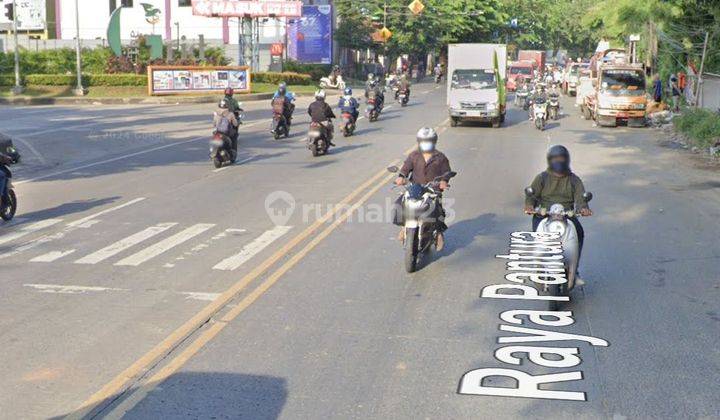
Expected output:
(427, 133)
(320, 95)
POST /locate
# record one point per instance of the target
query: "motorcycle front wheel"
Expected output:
(411, 249)
(217, 162)
(10, 207)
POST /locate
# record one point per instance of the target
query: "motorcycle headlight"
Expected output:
(556, 227)
(414, 204)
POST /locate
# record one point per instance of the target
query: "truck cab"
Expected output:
(518, 71)
(476, 83)
(571, 80)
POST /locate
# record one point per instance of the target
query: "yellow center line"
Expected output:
(122, 382)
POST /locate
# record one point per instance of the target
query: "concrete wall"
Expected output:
(710, 98)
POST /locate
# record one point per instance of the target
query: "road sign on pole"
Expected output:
(416, 7)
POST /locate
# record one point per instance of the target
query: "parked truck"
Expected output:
(537, 57)
(476, 83)
(618, 92)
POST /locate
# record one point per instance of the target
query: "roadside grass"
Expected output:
(700, 126)
(125, 91)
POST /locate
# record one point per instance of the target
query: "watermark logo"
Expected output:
(280, 206)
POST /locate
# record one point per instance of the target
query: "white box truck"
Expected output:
(476, 83)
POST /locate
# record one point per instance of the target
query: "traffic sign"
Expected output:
(416, 7)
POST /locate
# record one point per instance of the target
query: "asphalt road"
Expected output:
(140, 282)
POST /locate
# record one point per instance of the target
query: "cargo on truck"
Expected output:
(476, 83)
(537, 57)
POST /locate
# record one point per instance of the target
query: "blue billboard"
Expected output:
(310, 37)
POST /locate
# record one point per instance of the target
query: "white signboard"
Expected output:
(30, 15)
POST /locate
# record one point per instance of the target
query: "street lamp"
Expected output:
(79, 90)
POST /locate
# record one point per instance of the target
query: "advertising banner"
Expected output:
(30, 14)
(225, 8)
(310, 38)
(169, 80)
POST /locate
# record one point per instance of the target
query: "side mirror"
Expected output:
(588, 196)
(452, 174)
(529, 192)
(392, 169)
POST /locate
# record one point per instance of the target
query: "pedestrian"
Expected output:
(657, 88)
(675, 91)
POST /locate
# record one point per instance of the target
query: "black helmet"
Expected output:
(555, 152)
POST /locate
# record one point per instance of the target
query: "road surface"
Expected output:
(140, 282)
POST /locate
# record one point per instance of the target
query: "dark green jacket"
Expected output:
(552, 189)
(233, 105)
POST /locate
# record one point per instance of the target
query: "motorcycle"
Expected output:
(8, 201)
(521, 96)
(348, 124)
(557, 220)
(403, 98)
(554, 107)
(326, 83)
(280, 125)
(318, 139)
(420, 207)
(438, 78)
(221, 150)
(539, 114)
(371, 110)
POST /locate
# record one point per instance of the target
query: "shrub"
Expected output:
(701, 126)
(9, 79)
(88, 80)
(316, 71)
(288, 77)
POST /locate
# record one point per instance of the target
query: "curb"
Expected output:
(158, 100)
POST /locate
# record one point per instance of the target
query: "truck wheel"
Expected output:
(496, 123)
(454, 122)
(502, 118)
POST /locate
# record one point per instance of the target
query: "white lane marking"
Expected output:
(207, 297)
(26, 230)
(165, 245)
(123, 244)
(30, 147)
(83, 222)
(70, 290)
(251, 249)
(52, 256)
(115, 159)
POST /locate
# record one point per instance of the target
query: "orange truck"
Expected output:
(618, 90)
(518, 71)
(537, 57)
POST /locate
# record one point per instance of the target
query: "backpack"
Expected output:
(224, 126)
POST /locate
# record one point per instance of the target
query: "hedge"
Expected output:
(290, 78)
(129, 79)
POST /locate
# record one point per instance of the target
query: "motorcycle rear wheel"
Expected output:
(217, 162)
(411, 250)
(9, 208)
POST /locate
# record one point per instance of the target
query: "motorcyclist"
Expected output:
(372, 85)
(321, 113)
(233, 105)
(405, 85)
(438, 70)
(224, 112)
(538, 96)
(349, 104)
(288, 101)
(422, 166)
(336, 71)
(558, 185)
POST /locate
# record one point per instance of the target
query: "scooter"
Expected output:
(348, 124)
(221, 150)
(438, 78)
(556, 220)
(339, 84)
(421, 204)
(279, 126)
(371, 110)
(403, 98)
(8, 201)
(521, 98)
(554, 107)
(318, 139)
(540, 114)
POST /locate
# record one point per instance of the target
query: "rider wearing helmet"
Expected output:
(422, 166)
(321, 113)
(288, 99)
(226, 123)
(349, 104)
(233, 105)
(372, 85)
(558, 185)
(538, 96)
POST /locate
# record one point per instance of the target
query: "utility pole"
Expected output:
(79, 91)
(698, 100)
(18, 88)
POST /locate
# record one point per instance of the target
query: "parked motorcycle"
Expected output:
(540, 114)
(554, 107)
(318, 139)
(403, 98)
(326, 83)
(420, 209)
(557, 220)
(348, 124)
(8, 201)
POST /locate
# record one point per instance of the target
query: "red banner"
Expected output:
(229, 8)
